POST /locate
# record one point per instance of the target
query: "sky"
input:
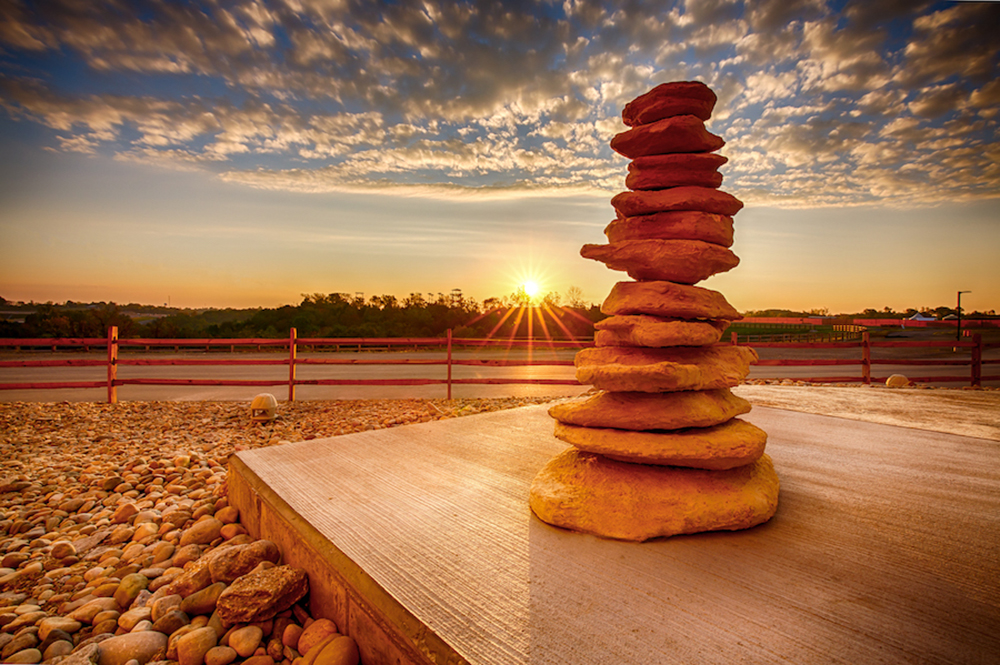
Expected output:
(241, 153)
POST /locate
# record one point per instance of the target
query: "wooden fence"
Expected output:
(974, 343)
(292, 344)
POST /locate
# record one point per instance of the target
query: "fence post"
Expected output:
(291, 365)
(733, 337)
(112, 364)
(449, 364)
(977, 360)
(866, 359)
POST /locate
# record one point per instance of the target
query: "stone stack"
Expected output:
(659, 449)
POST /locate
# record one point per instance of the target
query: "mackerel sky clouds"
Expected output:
(244, 152)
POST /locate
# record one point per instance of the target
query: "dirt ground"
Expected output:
(965, 412)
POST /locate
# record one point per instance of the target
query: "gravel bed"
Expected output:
(118, 546)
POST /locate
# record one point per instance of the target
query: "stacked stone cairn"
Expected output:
(658, 449)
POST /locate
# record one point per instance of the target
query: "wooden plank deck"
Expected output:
(420, 542)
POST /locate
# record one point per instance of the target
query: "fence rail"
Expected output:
(973, 342)
(293, 344)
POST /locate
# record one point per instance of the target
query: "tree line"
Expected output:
(335, 315)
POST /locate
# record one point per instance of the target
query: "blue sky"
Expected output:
(242, 153)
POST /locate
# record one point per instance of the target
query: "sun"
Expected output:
(531, 288)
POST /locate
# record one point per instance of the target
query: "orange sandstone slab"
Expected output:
(670, 99)
(682, 261)
(651, 411)
(593, 494)
(705, 199)
(681, 225)
(664, 178)
(682, 133)
(666, 299)
(654, 331)
(623, 369)
(730, 444)
(675, 170)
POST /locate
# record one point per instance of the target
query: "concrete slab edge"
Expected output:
(339, 589)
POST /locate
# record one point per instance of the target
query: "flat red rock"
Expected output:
(593, 494)
(670, 99)
(733, 443)
(679, 225)
(681, 261)
(655, 331)
(704, 199)
(699, 169)
(651, 411)
(682, 133)
(667, 299)
(624, 369)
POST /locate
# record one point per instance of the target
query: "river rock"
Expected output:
(143, 647)
(706, 199)
(170, 622)
(593, 494)
(58, 648)
(129, 619)
(91, 609)
(85, 654)
(129, 588)
(202, 532)
(27, 657)
(192, 647)
(670, 99)
(20, 642)
(195, 578)
(668, 300)
(238, 560)
(679, 261)
(342, 650)
(62, 549)
(682, 133)
(260, 595)
(124, 513)
(164, 604)
(677, 225)
(655, 331)
(314, 633)
(651, 411)
(220, 655)
(203, 601)
(621, 369)
(733, 443)
(245, 640)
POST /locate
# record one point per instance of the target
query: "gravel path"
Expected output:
(117, 543)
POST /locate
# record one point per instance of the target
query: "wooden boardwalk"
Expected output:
(419, 542)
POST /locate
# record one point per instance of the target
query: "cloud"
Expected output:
(895, 100)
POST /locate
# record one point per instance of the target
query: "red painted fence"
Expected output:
(975, 364)
(293, 343)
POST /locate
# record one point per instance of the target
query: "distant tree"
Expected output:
(574, 296)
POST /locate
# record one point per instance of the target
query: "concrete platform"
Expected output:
(419, 542)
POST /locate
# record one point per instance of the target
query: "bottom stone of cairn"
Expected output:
(593, 494)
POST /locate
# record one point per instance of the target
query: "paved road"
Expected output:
(279, 374)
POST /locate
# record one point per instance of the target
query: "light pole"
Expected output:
(958, 313)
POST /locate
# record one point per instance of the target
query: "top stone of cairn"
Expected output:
(670, 99)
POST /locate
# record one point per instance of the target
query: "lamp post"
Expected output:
(958, 313)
